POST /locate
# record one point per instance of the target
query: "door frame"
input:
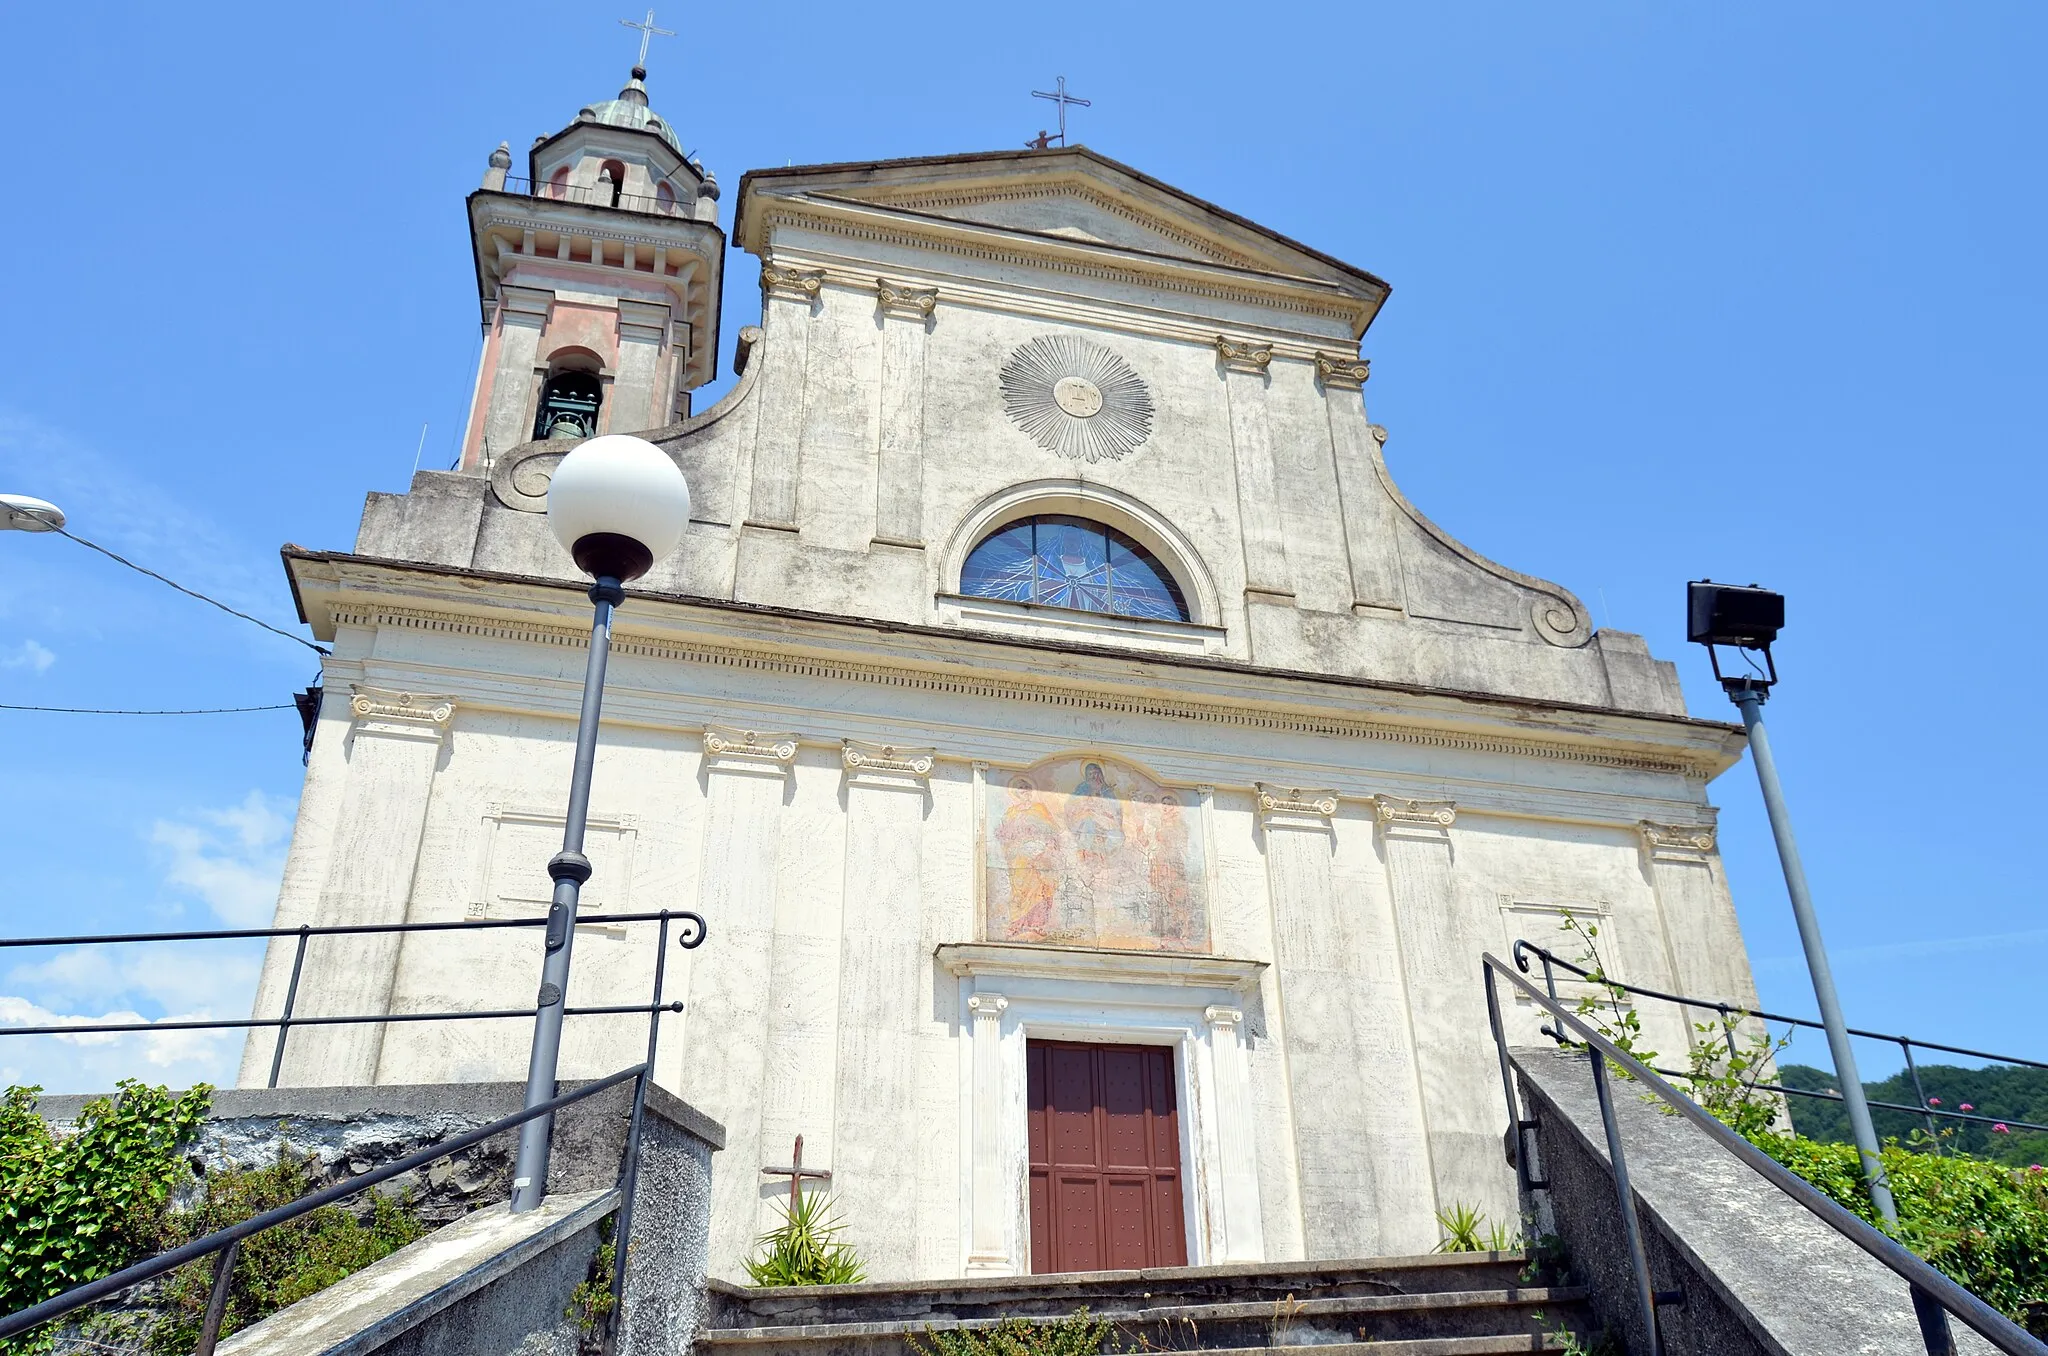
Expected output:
(1007, 1000)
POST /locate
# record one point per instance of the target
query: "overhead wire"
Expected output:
(190, 593)
(107, 711)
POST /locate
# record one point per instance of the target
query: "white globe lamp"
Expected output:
(618, 504)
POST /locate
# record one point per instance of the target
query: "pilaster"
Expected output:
(906, 315)
(1244, 1235)
(990, 1209)
(726, 1023)
(522, 315)
(789, 298)
(1440, 948)
(884, 987)
(1244, 365)
(1370, 517)
(1340, 1194)
(635, 401)
(1703, 940)
(393, 745)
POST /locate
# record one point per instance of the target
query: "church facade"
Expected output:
(1099, 781)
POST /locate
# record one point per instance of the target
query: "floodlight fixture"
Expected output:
(1742, 617)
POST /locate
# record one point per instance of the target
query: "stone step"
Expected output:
(1263, 1325)
(1059, 1294)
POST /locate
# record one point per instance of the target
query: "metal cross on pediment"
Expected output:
(1059, 96)
(796, 1172)
(648, 32)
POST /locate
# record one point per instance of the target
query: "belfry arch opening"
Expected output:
(569, 402)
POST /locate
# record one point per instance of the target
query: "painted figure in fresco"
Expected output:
(1031, 844)
(1173, 916)
(1095, 817)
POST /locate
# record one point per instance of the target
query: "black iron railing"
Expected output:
(597, 195)
(1732, 1015)
(1935, 1297)
(287, 1019)
(226, 1243)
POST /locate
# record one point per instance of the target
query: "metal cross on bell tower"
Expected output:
(648, 32)
(1060, 97)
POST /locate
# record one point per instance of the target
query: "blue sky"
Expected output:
(1740, 290)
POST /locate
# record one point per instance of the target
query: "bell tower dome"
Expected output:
(598, 277)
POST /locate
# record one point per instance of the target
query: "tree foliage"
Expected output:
(2017, 1094)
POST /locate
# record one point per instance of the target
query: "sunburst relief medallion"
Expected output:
(1076, 398)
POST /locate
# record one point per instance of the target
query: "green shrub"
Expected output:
(805, 1249)
(1467, 1230)
(281, 1265)
(1078, 1334)
(1983, 1224)
(81, 1206)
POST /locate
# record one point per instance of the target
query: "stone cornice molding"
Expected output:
(1301, 296)
(955, 682)
(1036, 961)
(1294, 806)
(915, 303)
(1250, 355)
(734, 750)
(1336, 370)
(886, 765)
(928, 201)
(394, 712)
(1401, 816)
(1677, 842)
(800, 284)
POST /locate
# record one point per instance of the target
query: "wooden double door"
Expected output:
(1105, 1158)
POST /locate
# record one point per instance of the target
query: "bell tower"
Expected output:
(598, 275)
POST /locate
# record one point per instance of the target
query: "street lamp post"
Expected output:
(619, 504)
(1749, 619)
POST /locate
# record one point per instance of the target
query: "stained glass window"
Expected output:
(1071, 562)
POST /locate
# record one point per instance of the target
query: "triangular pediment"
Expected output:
(1062, 194)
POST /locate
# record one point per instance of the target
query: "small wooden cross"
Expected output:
(796, 1172)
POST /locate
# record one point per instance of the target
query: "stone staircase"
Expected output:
(1442, 1305)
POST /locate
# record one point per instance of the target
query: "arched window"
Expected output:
(568, 406)
(1071, 562)
(611, 182)
(558, 183)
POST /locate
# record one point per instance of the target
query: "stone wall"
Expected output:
(1761, 1275)
(349, 1131)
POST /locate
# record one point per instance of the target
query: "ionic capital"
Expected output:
(412, 714)
(987, 1007)
(1219, 1016)
(1676, 842)
(1294, 806)
(730, 750)
(1398, 816)
(915, 303)
(801, 284)
(1337, 370)
(1244, 356)
(886, 765)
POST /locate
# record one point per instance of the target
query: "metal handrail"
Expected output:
(227, 1241)
(595, 195)
(1936, 1288)
(286, 1019)
(1907, 1044)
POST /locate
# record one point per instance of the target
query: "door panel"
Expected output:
(1105, 1157)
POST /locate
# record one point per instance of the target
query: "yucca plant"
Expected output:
(805, 1249)
(1467, 1230)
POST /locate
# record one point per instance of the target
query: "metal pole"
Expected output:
(569, 868)
(1631, 1227)
(1749, 698)
(629, 1171)
(291, 998)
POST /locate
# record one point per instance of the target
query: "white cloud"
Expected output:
(95, 1061)
(29, 655)
(230, 859)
